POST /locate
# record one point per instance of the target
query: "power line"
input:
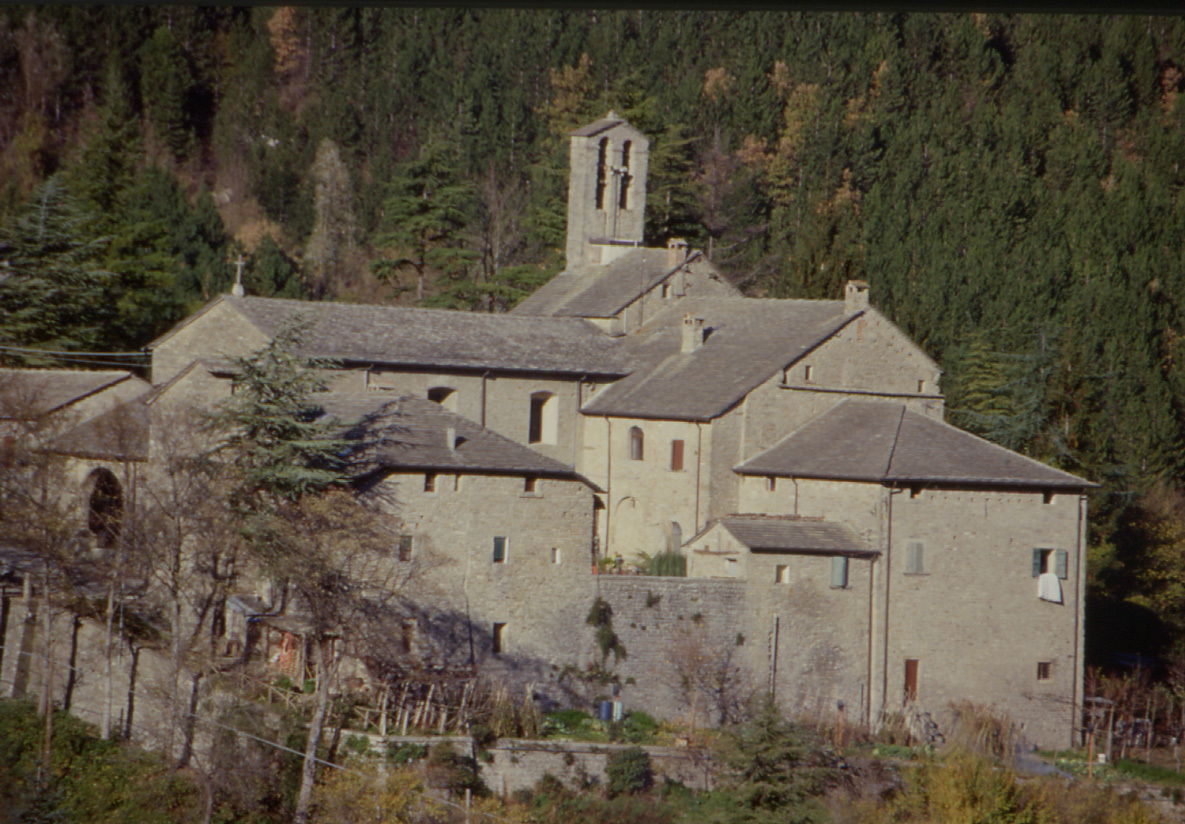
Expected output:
(66, 352)
(141, 696)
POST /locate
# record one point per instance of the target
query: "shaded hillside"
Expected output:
(1010, 185)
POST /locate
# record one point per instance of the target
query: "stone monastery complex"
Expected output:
(845, 548)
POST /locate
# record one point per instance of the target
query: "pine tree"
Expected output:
(54, 293)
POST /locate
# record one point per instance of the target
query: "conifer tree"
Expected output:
(54, 293)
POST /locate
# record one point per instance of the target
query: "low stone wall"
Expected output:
(519, 763)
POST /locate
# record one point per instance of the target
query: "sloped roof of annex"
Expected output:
(31, 393)
(885, 442)
(603, 291)
(789, 533)
(410, 433)
(432, 338)
(748, 340)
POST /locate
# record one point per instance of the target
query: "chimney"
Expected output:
(855, 296)
(693, 334)
(676, 252)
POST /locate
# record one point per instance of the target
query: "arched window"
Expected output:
(542, 423)
(637, 443)
(446, 396)
(105, 509)
(602, 168)
(623, 196)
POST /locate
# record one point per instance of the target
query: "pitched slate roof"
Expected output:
(601, 291)
(886, 442)
(597, 126)
(792, 534)
(119, 434)
(439, 337)
(750, 340)
(411, 433)
(31, 393)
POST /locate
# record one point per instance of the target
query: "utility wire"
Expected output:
(253, 737)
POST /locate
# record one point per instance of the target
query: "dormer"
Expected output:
(606, 191)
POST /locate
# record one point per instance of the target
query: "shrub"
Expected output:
(629, 772)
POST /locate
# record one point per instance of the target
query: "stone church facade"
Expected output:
(845, 548)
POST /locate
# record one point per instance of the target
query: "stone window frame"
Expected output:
(637, 444)
(501, 550)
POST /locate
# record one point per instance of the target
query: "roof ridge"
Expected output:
(896, 439)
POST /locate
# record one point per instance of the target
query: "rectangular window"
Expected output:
(1051, 560)
(808, 373)
(771, 483)
(781, 574)
(499, 549)
(921, 387)
(839, 572)
(429, 481)
(914, 558)
(498, 638)
(405, 542)
(530, 484)
(1044, 670)
(407, 634)
(676, 456)
(555, 554)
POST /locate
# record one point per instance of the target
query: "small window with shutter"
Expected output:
(677, 456)
(499, 549)
(839, 572)
(915, 558)
(1051, 560)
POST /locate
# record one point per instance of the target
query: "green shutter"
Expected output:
(499, 549)
(839, 572)
(914, 558)
(1063, 563)
(1036, 562)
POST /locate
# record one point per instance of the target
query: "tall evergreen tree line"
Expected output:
(1010, 185)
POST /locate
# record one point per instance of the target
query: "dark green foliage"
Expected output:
(92, 780)
(271, 273)
(600, 617)
(280, 448)
(776, 769)
(55, 294)
(629, 772)
(165, 85)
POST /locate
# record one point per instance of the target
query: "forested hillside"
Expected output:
(1010, 186)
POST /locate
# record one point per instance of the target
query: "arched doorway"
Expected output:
(104, 515)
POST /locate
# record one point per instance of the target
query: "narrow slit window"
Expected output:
(602, 162)
(405, 545)
(407, 635)
(542, 423)
(498, 638)
(911, 679)
(808, 373)
(623, 198)
(555, 554)
(499, 556)
(429, 481)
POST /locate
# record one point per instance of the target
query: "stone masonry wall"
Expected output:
(216, 333)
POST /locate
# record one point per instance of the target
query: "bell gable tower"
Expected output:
(606, 191)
